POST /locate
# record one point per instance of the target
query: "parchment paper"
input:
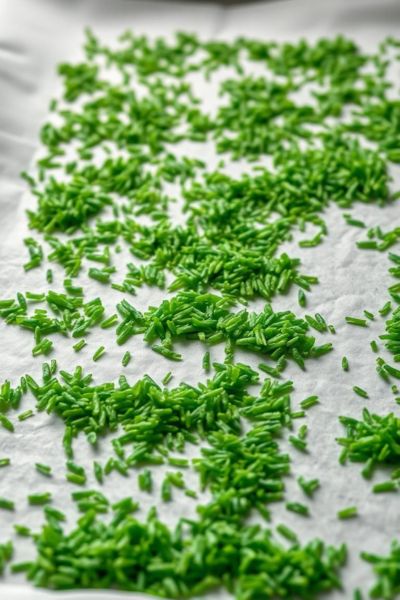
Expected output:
(34, 36)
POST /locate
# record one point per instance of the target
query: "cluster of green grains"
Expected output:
(392, 335)
(378, 121)
(236, 270)
(10, 399)
(373, 440)
(69, 315)
(230, 237)
(207, 317)
(171, 480)
(387, 572)
(91, 500)
(92, 245)
(153, 418)
(237, 260)
(298, 197)
(247, 469)
(378, 239)
(386, 371)
(241, 266)
(299, 442)
(394, 272)
(246, 472)
(195, 557)
(352, 221)
(35, 254)
(75, 473)
(254, 103)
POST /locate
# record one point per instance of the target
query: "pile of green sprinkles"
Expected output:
(108, 185)
(193, 559)
(206, 317)
(373, 440)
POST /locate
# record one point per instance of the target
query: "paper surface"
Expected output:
(34, 36)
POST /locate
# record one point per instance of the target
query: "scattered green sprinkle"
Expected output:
(302, 298)
(167, 378)
(374, 346)
(385, 486)
(360, 392)
(99, 353)
(25, 415)
(309, 402)
(43, 469)
(39, 499)
(356, 321)
(347, 513)
(6, 504)
(298, 508)
(79, 345)
(126, 358)
(386, 309)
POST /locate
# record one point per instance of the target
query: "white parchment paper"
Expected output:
(34, 36)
